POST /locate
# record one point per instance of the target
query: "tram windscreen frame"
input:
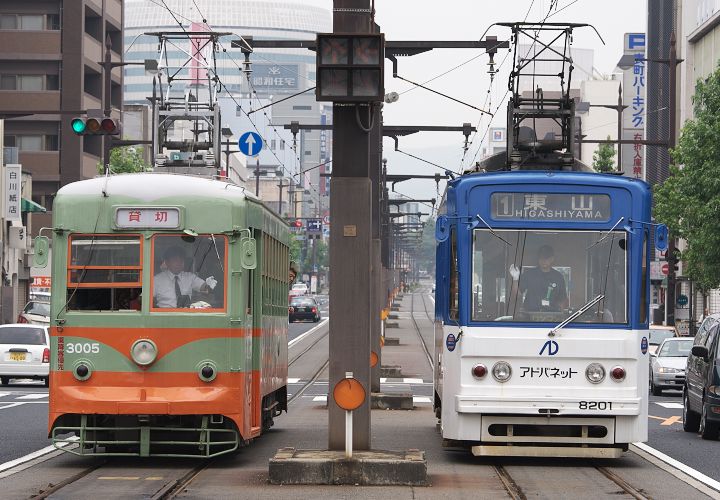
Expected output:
(557, 271)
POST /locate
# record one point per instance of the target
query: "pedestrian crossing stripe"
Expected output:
(3, 394)
(293, 380)
(320, 399)
(670, 405)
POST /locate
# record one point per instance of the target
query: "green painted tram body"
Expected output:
(245, 341)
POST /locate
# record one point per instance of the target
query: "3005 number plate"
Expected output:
(595, 405)
(82, 348)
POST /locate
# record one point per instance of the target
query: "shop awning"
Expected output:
(31, 206)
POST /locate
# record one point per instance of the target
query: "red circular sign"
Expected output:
(665, 269)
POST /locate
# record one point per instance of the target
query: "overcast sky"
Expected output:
(468, 20)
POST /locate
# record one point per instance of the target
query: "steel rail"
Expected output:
(419, 332)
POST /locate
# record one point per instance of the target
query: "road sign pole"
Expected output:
(257, 177)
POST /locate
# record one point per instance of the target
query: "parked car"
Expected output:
(303, 308)
(701, 397)
(667, 365)
(658, 333)
(24, 352)
(35, 312)
(298, 289)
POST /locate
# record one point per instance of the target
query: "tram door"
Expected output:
(253, 342)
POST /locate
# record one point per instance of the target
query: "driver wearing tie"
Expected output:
(173, 287)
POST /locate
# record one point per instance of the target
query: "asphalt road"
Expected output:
(23, 418)
(666, 435)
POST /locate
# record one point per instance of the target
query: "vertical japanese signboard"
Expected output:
(12, 194)
(634, 81)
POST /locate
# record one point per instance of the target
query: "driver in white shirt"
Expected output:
(174, 287)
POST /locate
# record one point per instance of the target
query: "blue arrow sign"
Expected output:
(250, 143)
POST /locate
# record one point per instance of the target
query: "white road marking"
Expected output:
(48, 450)
(11, 405)
(383, 380)
(670, 405)
(674, 466)
(421, 399)
(320, 399)
(431, 298)
(3, 394)
(33, 396)
(310, 331)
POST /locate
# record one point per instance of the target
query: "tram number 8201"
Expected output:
(595, 405)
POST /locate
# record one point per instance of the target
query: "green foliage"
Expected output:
(426, 253)
(301, 253)
(126, 160)
(689, 200)
(604, 158)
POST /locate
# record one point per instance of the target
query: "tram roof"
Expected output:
(148, 187)
(637, 186)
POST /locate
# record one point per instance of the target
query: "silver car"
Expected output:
(35, 312)
(24, 352)
(667, 365)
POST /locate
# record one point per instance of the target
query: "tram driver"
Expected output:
(543, 287)
(173, 287)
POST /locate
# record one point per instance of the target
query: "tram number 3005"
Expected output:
(82, 348)
(595, 405)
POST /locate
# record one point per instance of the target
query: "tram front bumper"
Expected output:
(548, 406)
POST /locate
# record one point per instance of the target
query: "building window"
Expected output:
(30, 142)
(308, 153)
(273, 144)
(52, 143)
(31, 22)
(29, 82)
(302, 108)
(53, 22)
(282, 145)
(9, 141)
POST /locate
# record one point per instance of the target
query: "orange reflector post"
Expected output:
(349, 394)
(373, 359)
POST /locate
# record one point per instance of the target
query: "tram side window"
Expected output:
(104, 273)
(189, 272)
(643, 283)
(454, 278)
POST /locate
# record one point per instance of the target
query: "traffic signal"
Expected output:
(350, 67)
(296, 223)
(95, 126)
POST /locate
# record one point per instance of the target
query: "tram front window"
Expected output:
(543, 276)
(189, 272)
(104, 272)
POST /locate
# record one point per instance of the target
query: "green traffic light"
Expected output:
(78, 125)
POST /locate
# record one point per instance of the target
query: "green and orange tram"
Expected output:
(168, 316)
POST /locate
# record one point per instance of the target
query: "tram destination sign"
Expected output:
(550, 206)
(144, 217)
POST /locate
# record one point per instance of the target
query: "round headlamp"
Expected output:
(144, 352)
(502, 371)
(595, 373)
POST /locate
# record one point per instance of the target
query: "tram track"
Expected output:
(418, 331)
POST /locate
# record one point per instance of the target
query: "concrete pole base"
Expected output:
(391, 371)
(392, 341)
(365, 468)
(392, 401)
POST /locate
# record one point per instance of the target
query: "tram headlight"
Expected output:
(144, 352)
(595, 373)
(206, 370)
(82, 369)
(617, 373)
(502, 371)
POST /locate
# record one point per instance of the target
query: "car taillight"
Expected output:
(290, 309)
(46, 355)
(314, 309)
(22, 319)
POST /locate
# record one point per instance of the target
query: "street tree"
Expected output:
(604, 158)
(689, 200)
(126, 160)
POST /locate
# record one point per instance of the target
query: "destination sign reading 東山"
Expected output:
(550, 206)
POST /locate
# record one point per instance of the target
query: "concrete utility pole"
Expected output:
(350, 244)
(672, 63)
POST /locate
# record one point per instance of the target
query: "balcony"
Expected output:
(15, 100)
(30, 45)
(43, 165)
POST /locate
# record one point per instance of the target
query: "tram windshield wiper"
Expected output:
(576, 314)
(479, 217)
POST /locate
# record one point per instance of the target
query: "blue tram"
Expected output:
(542, 313)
